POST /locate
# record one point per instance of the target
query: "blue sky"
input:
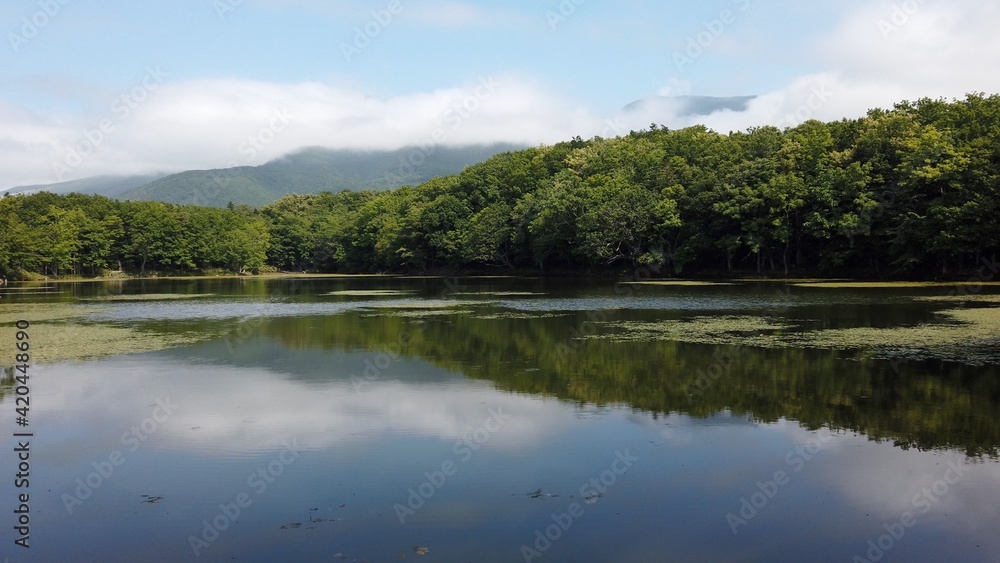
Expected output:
(201, 77)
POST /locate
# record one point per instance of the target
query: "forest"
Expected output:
(911, 192)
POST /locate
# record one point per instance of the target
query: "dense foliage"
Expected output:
(86, 235)
(311, 171)
(911, 191)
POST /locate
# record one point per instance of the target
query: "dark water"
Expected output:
(314, 427)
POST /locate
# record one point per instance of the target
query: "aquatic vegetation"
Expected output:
(969, 298)
(370, 292)
(522, 315)
(63, 341)
(149, 297)
(500, 293)
(966, 335)
(726, 329)
(679, 283)
(60, 332)
(37, 312)
(411, 313)
(887, 285)
(424, 304)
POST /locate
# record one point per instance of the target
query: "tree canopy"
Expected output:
(913, 191)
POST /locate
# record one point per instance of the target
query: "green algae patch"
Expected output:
(729, 329)
(500, 293)
(960, 298)
(37, 312)
(518, 315)
(888, 285)
(425, 304)
(60, 342)
(150, 297)
(370, 293)
(412, 313)
(418, 309)
(679, 283)
(963, 335)
(59, 332)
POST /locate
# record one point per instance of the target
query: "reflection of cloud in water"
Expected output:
(225, 409)
(882, 480)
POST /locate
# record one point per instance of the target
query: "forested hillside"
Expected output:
(908, 192)
(311, 171)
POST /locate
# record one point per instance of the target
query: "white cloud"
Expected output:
(235, 409)
(873, 57)
(463, 15)
(214, 123)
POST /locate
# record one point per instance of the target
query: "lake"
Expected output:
(503, 419)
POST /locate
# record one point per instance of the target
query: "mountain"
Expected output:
(108, 186)
(687, 106)
(313, 170)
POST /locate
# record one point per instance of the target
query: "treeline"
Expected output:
(53, 235)
(912, 191)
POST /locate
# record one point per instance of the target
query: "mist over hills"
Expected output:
(315, 169)
(108, 186)
(687, 106)
(307, 171)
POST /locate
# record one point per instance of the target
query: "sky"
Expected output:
(121, 87)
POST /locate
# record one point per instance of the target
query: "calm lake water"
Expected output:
(383, 419)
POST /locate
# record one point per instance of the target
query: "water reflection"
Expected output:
(365, 453)
(826, 448)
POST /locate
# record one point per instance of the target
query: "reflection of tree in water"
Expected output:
(925, 405)
(6, 380)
